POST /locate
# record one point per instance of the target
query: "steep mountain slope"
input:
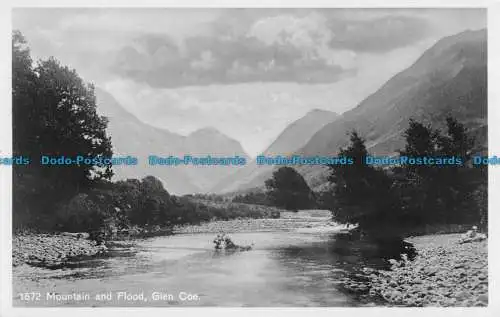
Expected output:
(299, 132)
(450, 78)
(130, 136)
(293, 137)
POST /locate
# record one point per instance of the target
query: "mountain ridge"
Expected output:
(449, 78)
(289, 140)
(131, 136)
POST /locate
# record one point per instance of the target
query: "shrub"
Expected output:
(288, 189)
(80, 213)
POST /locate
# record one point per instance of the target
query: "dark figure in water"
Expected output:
(218, 241)
(223, 241)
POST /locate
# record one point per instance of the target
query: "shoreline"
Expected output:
(52, 250)
(444, 273)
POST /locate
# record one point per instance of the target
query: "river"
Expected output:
(299, 267)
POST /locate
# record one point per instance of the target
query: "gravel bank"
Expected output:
(52, 251)
(288, 221)
(444, 273)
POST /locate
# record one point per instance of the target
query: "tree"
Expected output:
(362, 195)
(421, 193)
(67, 108)
(288, 189)
(54, 113)
(257, 198)
(434, 193)
(23, 99)
(457, 142)
(155, 201)
(459, 182)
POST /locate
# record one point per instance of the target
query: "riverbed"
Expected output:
(300, 265)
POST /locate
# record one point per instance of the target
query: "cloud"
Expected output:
(168, 48)
(380, 34)
(246, 72)
(302, 46)
(296, 55)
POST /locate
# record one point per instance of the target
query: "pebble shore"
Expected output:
(444, 273)
(51, 251)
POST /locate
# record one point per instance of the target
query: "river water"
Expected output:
(299, 267)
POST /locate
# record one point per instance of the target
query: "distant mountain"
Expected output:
(450, 78)
(293, 137)
(209, 141)
(130, 136)
(299, 132)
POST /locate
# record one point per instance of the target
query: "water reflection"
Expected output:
(346, 252)
(283, 269)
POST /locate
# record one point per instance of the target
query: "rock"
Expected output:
(462, 295)
(432, 278)
(483, 298)
(78, 235)
(393, 262)
(51, 251)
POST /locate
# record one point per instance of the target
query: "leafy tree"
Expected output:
(54, 113)
(434, 193)
(23, 100)
(459, 182)
(80, 213)
(361, 194)
(155, 201)
(457, 142)
(258, 198)
(67, 108)
(288, 189)
(420, 192)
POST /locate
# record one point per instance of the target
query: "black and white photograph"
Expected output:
(249, 157)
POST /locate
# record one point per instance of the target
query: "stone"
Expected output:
(483, 298)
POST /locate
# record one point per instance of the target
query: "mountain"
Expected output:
(450, 78)
(299, 132)
(130, 136)
(293, 137)
(209, 141)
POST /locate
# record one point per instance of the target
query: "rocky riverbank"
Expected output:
(444, 273)
(52, 251)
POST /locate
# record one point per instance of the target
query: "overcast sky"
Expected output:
(247, 73)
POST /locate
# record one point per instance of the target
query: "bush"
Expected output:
(79, 214)
(287, 189)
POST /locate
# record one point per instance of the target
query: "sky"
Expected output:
(247, 72)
